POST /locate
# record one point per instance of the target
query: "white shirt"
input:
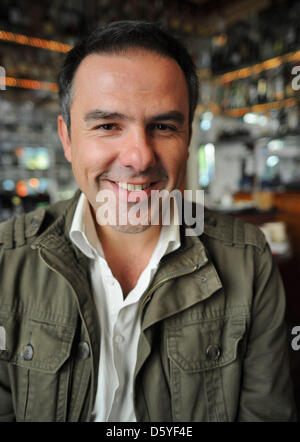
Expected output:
(118, 317)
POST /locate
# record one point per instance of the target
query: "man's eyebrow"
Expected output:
(173, 115)
(99, 114)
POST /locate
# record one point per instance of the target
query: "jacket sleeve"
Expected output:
(266, 393)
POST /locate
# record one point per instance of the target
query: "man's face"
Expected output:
(129, 125)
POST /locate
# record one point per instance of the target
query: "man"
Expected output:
(136, 321)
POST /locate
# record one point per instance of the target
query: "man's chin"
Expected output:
(128, 228)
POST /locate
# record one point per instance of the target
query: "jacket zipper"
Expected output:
(162, 281)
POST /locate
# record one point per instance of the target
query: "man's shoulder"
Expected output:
(17, 230)
(232, 231)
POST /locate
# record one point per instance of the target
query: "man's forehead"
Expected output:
(108, 69)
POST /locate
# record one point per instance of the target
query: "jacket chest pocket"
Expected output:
(39, 359)
(205, 361)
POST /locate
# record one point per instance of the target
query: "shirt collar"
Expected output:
(84, 235)
(80, 228)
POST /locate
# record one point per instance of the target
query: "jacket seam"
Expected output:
(33, 315)
(201, 320)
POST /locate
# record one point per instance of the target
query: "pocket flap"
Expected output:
(37, 345)
(205, 345)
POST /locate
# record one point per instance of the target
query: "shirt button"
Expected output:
(213, 352)
(83, 350)
(27, 352)
(110, 281)
(119, 339)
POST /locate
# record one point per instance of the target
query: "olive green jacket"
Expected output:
(213, 346)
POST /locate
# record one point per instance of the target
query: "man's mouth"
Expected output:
(132, 187)
(127, 190)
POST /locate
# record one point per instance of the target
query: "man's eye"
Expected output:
(106, 126)
(163, 127)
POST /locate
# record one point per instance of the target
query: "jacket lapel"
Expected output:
(198, 280)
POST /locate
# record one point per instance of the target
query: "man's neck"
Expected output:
(128, 254)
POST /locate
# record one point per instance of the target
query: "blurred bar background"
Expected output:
(245, 150)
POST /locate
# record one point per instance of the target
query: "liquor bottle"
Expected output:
(262, 90)
(279, 85)
(270, 93)
(253, 93)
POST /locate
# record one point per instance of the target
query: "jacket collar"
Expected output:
(58, 231)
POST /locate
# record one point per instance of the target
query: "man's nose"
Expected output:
(137, 151)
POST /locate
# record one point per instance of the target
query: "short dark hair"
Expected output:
(118, 37)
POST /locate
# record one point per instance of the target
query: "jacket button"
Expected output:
(83, 350)
(213, 352)
(27, 352)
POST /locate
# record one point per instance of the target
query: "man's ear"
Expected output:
(64, 137)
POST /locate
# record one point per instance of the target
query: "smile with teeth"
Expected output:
(129, 186)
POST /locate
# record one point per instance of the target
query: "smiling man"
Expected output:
(130, 127)
(126, 321)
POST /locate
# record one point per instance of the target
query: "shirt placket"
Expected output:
(122, 351)
(114, 291)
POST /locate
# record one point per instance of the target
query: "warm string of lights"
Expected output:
(239, 112)
(35, 42)
(29, 84)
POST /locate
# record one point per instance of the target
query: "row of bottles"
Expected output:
(61, 19)
(261, 37)
(272, 85)
(70, 19)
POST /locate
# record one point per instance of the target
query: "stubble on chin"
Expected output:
(129, 228)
